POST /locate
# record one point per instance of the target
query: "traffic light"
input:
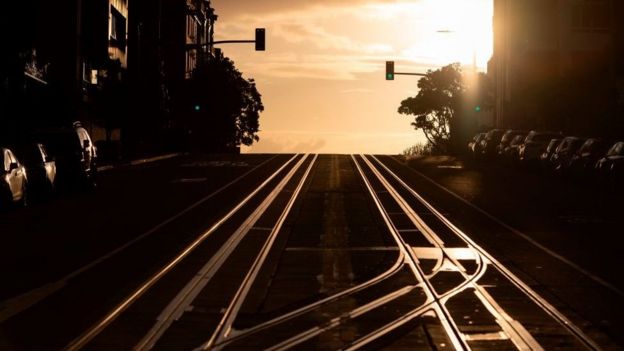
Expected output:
(477, 108)
(197, 107)
(389, 70)
(260, 39)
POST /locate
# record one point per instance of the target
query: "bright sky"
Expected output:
(322, 76)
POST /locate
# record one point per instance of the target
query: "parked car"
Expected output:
(506, 140)
(534, 145)
(549, 151)
(41, 168)
(473, 145)
(13, 179)
(510, 152)
(74, 152)
(490, 142)
(584, 160)
(611, 169)
(561, 158)
(614, 156)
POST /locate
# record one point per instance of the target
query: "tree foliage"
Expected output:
(223, 108)
(437, 104)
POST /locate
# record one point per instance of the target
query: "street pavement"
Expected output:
(298, 251)
(562, 234)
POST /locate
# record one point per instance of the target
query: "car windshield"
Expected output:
(61, 143)
(517, 140)
(588, 146)
(30, 154)
(509, 136)
(617, 150)
(553, 144)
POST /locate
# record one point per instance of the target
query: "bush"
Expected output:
(421, 149)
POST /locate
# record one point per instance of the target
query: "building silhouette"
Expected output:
(557, 65)
(167, 39)
(115, 65)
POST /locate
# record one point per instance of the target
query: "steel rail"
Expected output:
(224, 327)
(302, 337)
(515, 331)
(187, 295)
(522, 286)
(522, 235)
(442, 313)
(31, 297)
(240, 334)
(334, 322)
(99, 326)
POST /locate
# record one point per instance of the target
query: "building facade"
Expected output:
(167, 40)
(555, 64)
(187, 36)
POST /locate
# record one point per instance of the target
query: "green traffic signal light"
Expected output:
(478, 109)
(197, 108)
(389, 70)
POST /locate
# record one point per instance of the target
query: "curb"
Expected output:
(139, 162)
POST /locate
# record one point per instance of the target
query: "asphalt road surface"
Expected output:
(290, 252)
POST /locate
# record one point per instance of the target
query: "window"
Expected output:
(191, 62)
(191, 27)
(118, 29)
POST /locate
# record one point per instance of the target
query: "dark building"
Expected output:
(39, 65)
(188, 31)
(555, 64)
(168, 38)
(58, 59)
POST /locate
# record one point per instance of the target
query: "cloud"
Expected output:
(256, 7)
(356, 90)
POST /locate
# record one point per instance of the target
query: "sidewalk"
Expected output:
(138, 161)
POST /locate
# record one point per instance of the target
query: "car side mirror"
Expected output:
(86, 143)
(13, 166)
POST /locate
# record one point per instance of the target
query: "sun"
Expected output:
(454, 31)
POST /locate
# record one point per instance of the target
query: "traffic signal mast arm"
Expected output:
(230, 42)
(390, 73)
(260, 41)
(409, 74)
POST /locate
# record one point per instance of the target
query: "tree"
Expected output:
(222, 108)
(437, 104)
